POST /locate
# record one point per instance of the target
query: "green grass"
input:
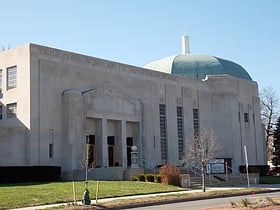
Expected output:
(270, 179)
(32, 194)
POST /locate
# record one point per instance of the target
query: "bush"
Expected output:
(170, 175)
(141, 177)
(134, 178)
(150, 177)
(157, 178)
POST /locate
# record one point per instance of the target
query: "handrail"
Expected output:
(198, 172)
(149, 165)
(195, 170)
(227, 167)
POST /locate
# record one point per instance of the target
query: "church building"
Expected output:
(60, 108)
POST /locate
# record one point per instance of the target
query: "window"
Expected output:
(196, 122)
(238, 116)
(180, 131)
(51, 143)
(163, 138)
(51, 151)
(1, 112)
(11, 110)
(1, 74)
(246, 117)
(11, 77)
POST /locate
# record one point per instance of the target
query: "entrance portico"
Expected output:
(109, 124)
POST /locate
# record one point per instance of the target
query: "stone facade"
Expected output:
(72, 108)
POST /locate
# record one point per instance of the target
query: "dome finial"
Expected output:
(185, 44)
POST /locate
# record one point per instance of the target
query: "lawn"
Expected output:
(32, 194)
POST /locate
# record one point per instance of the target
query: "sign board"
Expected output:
(216, 166)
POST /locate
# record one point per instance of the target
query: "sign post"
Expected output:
(247, 165)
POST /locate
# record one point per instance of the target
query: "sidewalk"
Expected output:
(275, 187)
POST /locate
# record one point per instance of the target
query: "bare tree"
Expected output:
(201, 148)
(269, 100)
(4, 48)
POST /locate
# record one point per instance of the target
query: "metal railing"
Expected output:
(149, 165)
(227, 170)
(197, 172)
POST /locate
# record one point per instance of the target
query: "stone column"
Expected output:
(73, 140)
(104, 146)
(123, 144)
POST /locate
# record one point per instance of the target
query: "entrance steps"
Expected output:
(221, 180)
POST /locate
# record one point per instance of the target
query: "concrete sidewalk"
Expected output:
(264, 186)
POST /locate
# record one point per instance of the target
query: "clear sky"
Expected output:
(138, 31)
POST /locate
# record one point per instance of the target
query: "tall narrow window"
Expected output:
(238, 116)
(1, 112)
(90, 151)
(51, 143)
(11, 77)
(246, 117)
(1, 75)
(51, 151)
(163, 138)
(196, 122)
(11, 110)
(180, 131)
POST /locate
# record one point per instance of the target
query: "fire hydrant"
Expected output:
(86, 199)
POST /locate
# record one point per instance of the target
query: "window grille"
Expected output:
(196, 122)
(163, 138)
(180, 131)
(11, 77)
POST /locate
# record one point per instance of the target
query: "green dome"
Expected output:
(197, 66)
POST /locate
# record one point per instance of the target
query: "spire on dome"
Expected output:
(185, 44)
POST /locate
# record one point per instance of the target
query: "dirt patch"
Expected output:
(245, 208)
(265, 204)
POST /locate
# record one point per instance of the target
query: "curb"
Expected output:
(176, 200)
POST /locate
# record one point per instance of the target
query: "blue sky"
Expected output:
(138, 31)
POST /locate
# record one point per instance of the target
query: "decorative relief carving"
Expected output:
(81, 59)
(103, 92)
(106, 65)
(112, 104)
(111, 92)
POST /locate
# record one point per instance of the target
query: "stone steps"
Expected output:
(222, 180)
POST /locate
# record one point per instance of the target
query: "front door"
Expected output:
(111, 150)
(90, 151)
(129, 143)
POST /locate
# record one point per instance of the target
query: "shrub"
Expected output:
(157, 178)
(134, 178)
(170, 175)
(150, 177)
(141, 177)
(245, 202)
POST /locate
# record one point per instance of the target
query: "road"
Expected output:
(201, 204)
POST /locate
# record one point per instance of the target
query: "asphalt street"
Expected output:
(214, 202)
